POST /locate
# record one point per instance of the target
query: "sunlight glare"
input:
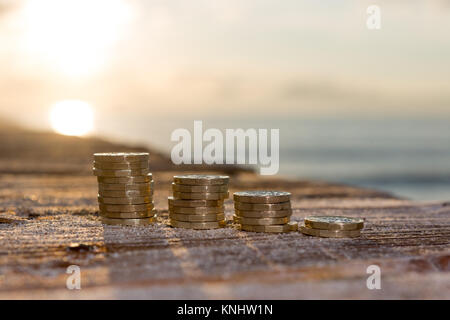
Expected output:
(74, 35)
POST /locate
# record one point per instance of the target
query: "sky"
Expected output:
(173, 58)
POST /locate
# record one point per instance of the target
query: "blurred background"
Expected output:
(358, 106)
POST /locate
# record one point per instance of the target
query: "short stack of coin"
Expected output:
(332, 226)
(197, 201)
(125, 188)
(264, 211)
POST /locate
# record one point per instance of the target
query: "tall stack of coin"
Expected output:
(332, 226)
(125, 188)
(197, 201)
(264, 211)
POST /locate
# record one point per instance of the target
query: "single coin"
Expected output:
(128, 215)
(262, 196)
(260, 221)
(125, 200)
(196, 210)
(330, 233)
(200, 196)
(282, 228)
(205, 188)
(120, 173)
(334, 223)
(126, 187)
(126, 193)
(121, 166)
(197, 217)
(128, 222)
(126, 207)
(262, 206)
(263, 214)
(197, 225)
(121, 157)
(126, 180)
(194, 203)
(201, 179)
(293, 225)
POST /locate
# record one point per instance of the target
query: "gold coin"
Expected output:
(200, 196)
(262, 196)
(121, 166)
(262, 206)
(126, 207)
(125, 180)
(334, 223)
(125, 200)
(201, 179)
(282, 228)
(128, 222)
(197, 217)
(196, 210)
(120, 173)
(260, 221)
(128, 215)
(126, 187)
(206, 188)
(194, 203)
(121, 157)
(140, 187)
(264, 214)
(293, 225)
(197, 225)
(126, 193)
(330, 233)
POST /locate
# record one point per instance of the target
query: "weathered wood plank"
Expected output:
(409, 241)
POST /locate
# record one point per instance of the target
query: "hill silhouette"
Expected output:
(28, 151)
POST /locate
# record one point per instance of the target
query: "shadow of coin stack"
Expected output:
(125, 188)
(197, 201)
(264, 211)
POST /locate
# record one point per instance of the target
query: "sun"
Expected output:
(72, 117)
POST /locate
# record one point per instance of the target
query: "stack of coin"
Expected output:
(197, 201)
(125, 188)
(332, 226)
(264, 211)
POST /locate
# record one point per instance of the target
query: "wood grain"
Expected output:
(48, 222)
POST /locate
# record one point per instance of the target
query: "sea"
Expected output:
(407, 157)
